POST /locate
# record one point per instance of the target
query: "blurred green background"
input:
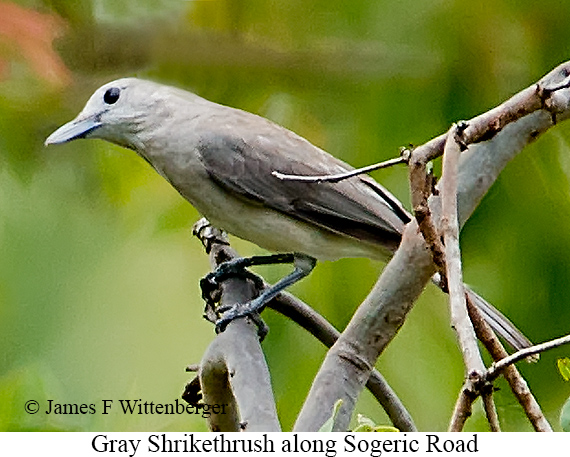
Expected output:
(99, 295)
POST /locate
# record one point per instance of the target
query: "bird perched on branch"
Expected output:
(222, 161)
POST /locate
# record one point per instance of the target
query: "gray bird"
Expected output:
(221, 160)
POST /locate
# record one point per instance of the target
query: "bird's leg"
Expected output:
(303, 265)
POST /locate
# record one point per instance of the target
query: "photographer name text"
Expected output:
(126, 407)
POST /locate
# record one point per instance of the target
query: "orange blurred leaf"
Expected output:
(30, 35)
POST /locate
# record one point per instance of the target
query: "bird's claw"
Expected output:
(232, 312)
(229, 313)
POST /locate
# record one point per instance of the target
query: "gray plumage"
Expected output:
(221, 160)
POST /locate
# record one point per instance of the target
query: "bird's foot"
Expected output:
(231, 312)
(210, 284)
(222, 315)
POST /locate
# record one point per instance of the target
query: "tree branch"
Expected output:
(493, 139)
(233, 369)
(462, 410)
(234, 365)
(217, 245)
(305, 316)
(460, 321)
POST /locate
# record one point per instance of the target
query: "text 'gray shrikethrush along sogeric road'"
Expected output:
(221, 160)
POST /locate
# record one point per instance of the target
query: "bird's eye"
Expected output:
(112, 95)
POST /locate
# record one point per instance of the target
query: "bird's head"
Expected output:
(117, 112)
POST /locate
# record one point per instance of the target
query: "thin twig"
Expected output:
(491, 411)
(500, 365)
(421, 189)
(462, 409)
(341, 176)
(450, 227)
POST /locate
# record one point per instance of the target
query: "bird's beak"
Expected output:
(77, 128)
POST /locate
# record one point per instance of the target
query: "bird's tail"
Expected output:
(496, 320)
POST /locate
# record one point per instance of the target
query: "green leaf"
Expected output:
(329, 424)
(565, 416)
(366, 424)
(564, 368)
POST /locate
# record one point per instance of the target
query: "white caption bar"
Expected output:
(268, 444)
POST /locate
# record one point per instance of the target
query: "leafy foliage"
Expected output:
(564, 368)
(365, 424)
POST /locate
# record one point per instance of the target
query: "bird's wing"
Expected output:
(243, 163)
